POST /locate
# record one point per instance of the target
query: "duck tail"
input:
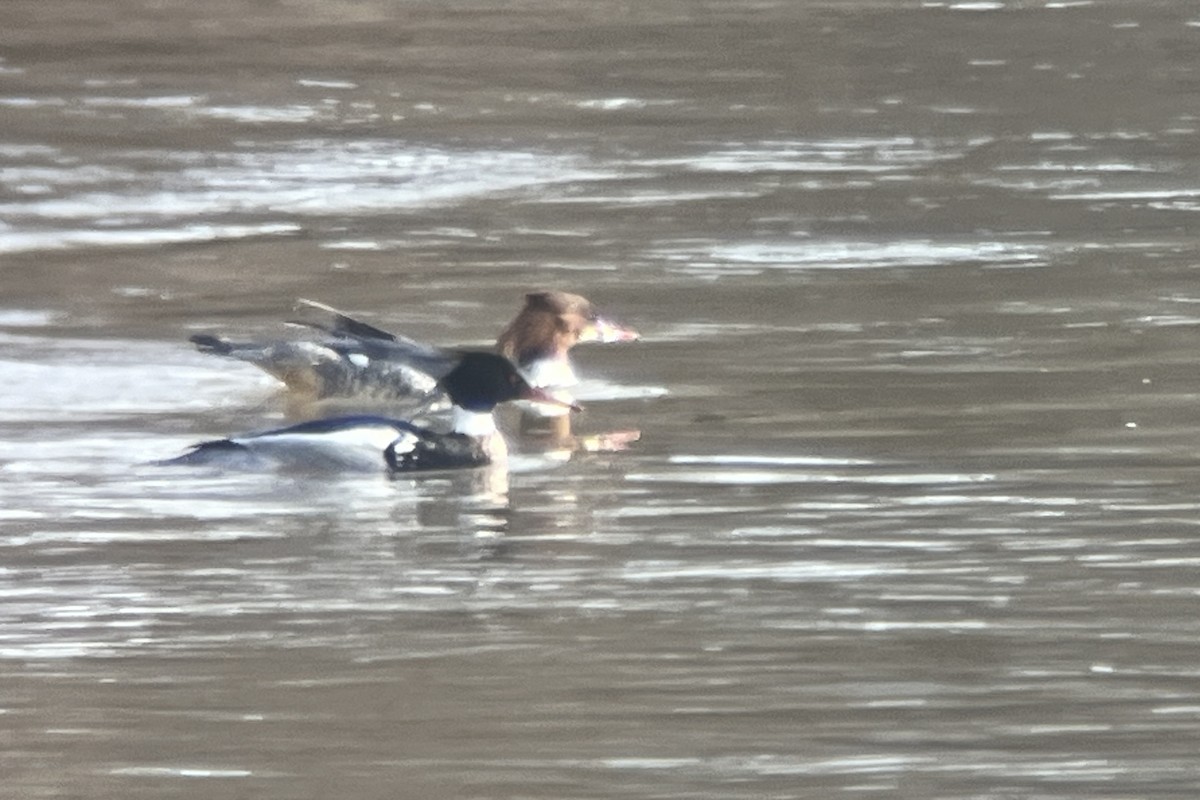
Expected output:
(216, 345)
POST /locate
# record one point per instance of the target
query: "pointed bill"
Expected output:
(560, 399)
(607, 332)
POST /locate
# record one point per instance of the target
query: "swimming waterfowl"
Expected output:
(348, 358)
(476, 384)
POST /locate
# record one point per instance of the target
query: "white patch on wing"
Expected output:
(316, 352)
(406, 442)
(359, 360)
(420, 381)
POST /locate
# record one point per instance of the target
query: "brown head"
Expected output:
(553, 322)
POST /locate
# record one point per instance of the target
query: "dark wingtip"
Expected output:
(344, 324)
(207, 343)
(206, 453)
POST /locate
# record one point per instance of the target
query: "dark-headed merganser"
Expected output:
(350, 358)
(475, 385)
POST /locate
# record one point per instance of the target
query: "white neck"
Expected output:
(473, 423)
(552, 373)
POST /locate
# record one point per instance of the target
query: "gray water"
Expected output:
(906, 504)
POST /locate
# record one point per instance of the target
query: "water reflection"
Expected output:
(111, 573)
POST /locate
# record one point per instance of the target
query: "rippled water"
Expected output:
(895, 498)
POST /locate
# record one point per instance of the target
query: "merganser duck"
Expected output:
(351, 358)
(541, 336)
(477, 383)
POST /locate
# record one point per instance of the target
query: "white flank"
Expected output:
(352, 448)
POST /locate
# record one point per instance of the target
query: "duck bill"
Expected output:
(606, 331)
(536, 395)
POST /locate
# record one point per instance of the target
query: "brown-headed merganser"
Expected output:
(349, 358)
(475, 385)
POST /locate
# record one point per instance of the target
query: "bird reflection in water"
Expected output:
(475, 503)
(552, 437)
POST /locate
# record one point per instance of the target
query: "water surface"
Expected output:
(912, 506)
